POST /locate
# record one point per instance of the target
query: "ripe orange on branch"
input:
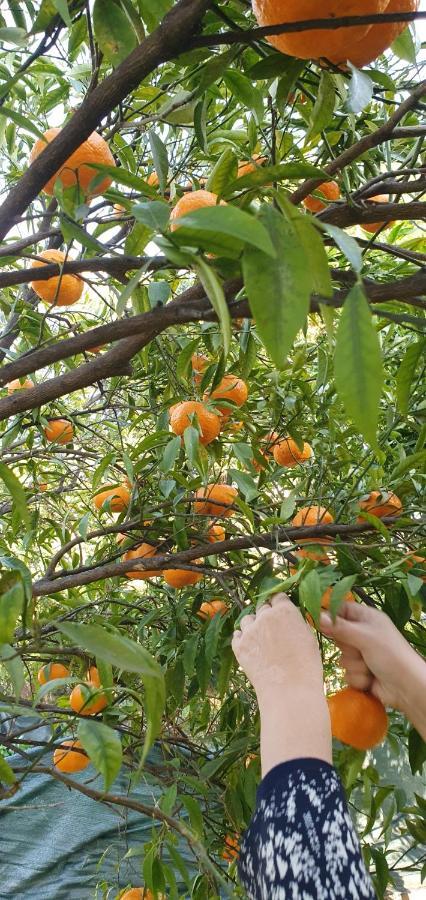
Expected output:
(312, 515)
(178, 578)
(19, 384)
(190, 202)
(333, 44)
(118, 497)
(86, 700)
(231, 848)
(215, 500)
(144, 551)
(246, 168)
(70, 757)
(191, 412)
(357, 718)
(372, 227)
(326, 600)
(62, 290)
(210, 608)
(77, 169)
(232, 389)
(215, 534)
(378, 37)
(59, 431)
(288, 454)
(329, 190)
(51, 671)
(140, 894)
(380, 504)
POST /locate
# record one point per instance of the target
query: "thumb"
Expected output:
(347, 627)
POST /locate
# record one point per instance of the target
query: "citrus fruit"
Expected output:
(144, 551)
(140, 894)
(316, 555)
(215, 534)
(331, 44)
(312, 515)
(210, 608)
(93, 676)
(232, 389)
(199, 366)
(231, 848)
(288, 454)
(372, 227)
(379, 37)
(77, 169)
(178, 578)
(70, 757)
(61, 290)
(51, 671)
(357, 718)
(380, 504)
(246, 168)
(417, 562)
(86, 700)
(59, 431)
(43, 486)
(215, 500)
(19, 384)
(326, 600)
(190, 202)
(193, 412)
(153, 179)
(329, 190)
(118, 498)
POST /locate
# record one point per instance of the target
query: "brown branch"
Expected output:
(344, 215)
(113, 265)
(167, 41)
(62, 582)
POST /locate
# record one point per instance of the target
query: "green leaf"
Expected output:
(62, 8)
(154, 213)
(170, 454)
(224, 171)
(274, 65)
(358, 364)
(102, 744)
(294, 68)
(113, 31)
(123, 176)
(7, 775)
(245, 483)
(161, 160)
(404, 46)
(17, 493)
(323, 110)
(153, 13)
(313, 246)
(20, 120)
(14, 667)
(310, 592)
(345, 243)
(116, 649)
(46, 13)
(278, 290)
(267, 174)
(338, 593)
(214, 291)
(360, 90)
(416, 462)
(195, 815)
(17, 36)
(229, 221)
(137, 239)
(243, 89)
(12, 598)
(406, 372)
(72, 231)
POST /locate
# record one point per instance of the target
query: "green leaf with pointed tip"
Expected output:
(243, 89)
(47, 12)
(310, 592)
(17, 493)
(229, 221)
(358, 364)
(161, 160)
(116, 649)
(265, 175)
(224, 172)
(17, 36)
(114, 32)
(154, 213)
(278, 289)
(12, 598)
(102, 744)
(14, 667)
(404, 46)
(214, 291)
(20, 120)
(323, 110)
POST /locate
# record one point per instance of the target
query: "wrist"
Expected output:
(413, 701)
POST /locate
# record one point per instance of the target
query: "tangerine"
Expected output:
(199, 366)
(326, 600)
(77, 169)
(232, 389)
(412, 560)
(61, 290)
(357, 718)
(178, 578)
(59, 431)
(312, 515)
(118, 498)
(288, 454)
(215, 500)
(51, 671)
(215, 534)
(210, 608)
(70, 757)
(190, 202)
(246, 168)
(81, 701)
(153, 179)
(183, 414)
(372, 227)
(329, 190)
(19, 384)
(143, 551)
(379, 37)
(93, 676)
(231, 848)
(380, 504)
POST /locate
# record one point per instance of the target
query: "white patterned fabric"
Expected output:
(301, 843)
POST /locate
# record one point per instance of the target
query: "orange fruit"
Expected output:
(379, 37)
(317, 555)
(199, 366)
(232, 389)
(153, 179)
(191, 412)
(288, 454)
(357, 718)
(210, 608)
(312, 515)
(61, 290)
(59, 431)
(411, 560)
(329, 190)
(93, 676)
(231, 848)
(70, 757)
(80, 699)
(326, 599)
(190, 202)
(144, 551)
(380, 504)
(372, 227)
(178, 578)
(96, 349)
(51, 671)
(43, 486)
(140, 894)
(246, 168)
(19, 384)
(215, 500)
(215, 534)
(318, 42)
(119, 498)
(77, 168)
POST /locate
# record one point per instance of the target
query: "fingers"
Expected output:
(279, 600)
(349, 626)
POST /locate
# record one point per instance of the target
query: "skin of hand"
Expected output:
(279, 654)
(377, 658)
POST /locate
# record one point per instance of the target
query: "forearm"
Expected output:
(414, 706)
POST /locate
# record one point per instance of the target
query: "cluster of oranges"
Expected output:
(86, 699)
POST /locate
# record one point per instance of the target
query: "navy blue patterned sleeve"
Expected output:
(301, 842)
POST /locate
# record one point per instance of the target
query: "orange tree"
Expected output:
(211, 331)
